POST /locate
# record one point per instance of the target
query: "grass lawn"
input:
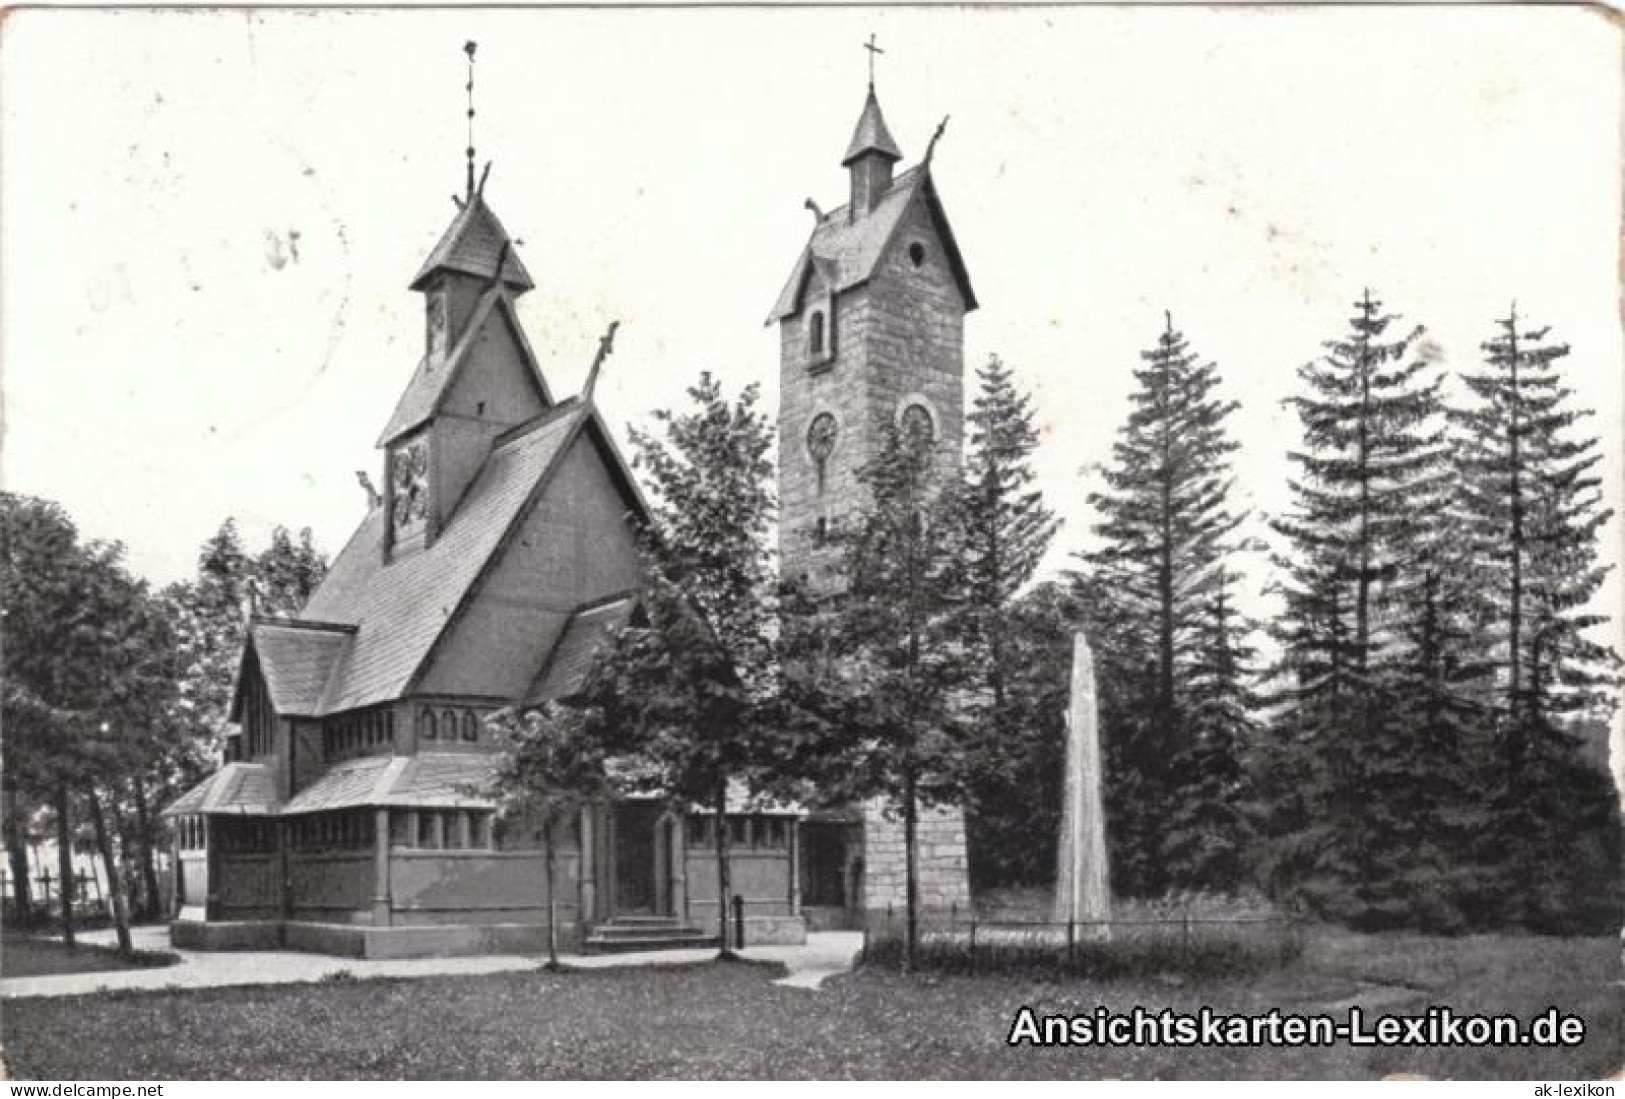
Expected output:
(27, 957)
(730, 1021)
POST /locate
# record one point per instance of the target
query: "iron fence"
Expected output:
(971, 939)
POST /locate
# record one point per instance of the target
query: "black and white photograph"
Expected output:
(895, 542)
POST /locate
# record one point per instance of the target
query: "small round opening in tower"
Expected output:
(916, 253)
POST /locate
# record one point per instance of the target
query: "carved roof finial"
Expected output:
(606, 344)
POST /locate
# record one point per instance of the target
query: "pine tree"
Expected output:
(1015, 765)
(208, 611)
(1532, 503)
(287, 573)
(1004, 530)
(1209, 833)
(1004, 527)
(1373, 468)
(1165, 530)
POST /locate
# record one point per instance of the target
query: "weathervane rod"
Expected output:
(469, 47)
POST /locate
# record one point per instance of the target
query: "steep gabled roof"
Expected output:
(295, 657)
(401, 608)
(471, 245)
(432, 379)
(587, 629)
(853, 248)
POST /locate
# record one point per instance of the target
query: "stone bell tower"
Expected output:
(871, 329)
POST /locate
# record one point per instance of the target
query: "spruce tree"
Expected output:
(1372, 469)
(1533, 510)
(1004, 530)
(1165, 530)
(1209, 833)
(1004, 527)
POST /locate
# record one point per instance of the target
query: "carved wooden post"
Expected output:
(381, 915)
(588, 871)
(211, 862)
(284, 868)
(794, 827)
(679, 866)
(660, 846)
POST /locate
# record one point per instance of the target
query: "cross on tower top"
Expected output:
(873, 50)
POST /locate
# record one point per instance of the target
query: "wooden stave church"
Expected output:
(342, 820)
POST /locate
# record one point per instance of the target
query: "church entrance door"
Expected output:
(636, 825)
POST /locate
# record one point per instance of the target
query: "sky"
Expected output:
(208, 219)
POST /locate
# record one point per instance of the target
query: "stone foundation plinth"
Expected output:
(944, 875)
(362, 941)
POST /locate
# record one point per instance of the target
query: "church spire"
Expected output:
(872, 151)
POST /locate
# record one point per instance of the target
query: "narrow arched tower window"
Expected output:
(815, 334)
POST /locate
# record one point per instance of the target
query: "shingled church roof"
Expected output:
(397, 609)
(235, 788)
(571, 659)
(471, 245)
(433, 378)
(441, 779)
(852, 248)
(296, 658)
(871, 134)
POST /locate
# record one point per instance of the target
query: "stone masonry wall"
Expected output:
(898, 337)
(944, 873)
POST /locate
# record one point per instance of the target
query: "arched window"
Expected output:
(427, 723)
(448, 724)
(471, 725)
(815, 334)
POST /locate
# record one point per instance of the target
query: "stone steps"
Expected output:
(625, 934)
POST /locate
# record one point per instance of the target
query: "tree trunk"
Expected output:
(64, 863)
(115, 880)
(149, 855)
(724, 882)
(552, 896)
(1515, 735)
(17, 853)
(136, 898)
(911, 860)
